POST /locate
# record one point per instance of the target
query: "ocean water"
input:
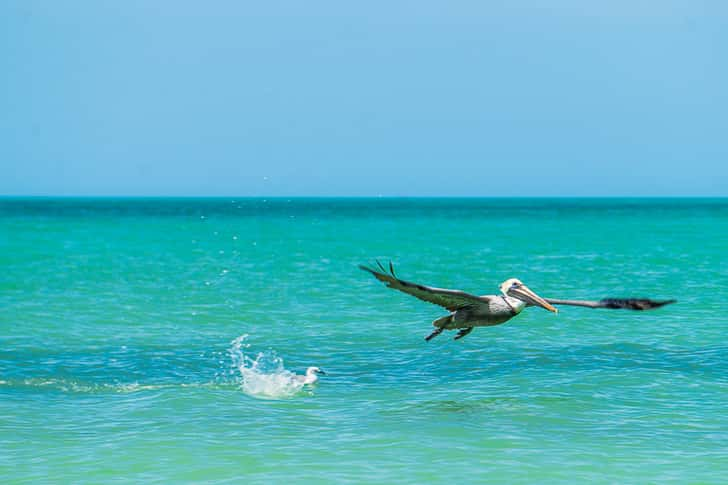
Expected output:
(155, 340)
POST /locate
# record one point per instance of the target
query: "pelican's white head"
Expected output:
(513, 287)
(507, 284)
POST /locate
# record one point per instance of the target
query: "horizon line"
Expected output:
(121, 196)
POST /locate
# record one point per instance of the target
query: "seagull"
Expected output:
(311, 376)
(469, 311)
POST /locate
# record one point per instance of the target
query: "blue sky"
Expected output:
(417, 98)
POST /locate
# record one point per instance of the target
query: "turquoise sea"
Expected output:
(153, 340)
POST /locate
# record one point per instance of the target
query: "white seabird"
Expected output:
(311, 375)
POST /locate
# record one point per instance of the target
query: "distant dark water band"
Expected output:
(357, 207)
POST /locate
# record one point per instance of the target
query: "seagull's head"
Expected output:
(312, 371)
(513, 287)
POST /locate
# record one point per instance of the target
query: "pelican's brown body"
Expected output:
(499, 310)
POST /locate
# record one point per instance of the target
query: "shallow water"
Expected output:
(118, 355)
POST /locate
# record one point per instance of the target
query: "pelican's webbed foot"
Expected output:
(462, 333)
(434, 333)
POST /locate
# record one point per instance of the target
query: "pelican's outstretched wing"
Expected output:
(450, 299)
(628, 303)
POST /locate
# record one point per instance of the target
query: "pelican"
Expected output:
(469, 311)
(311, 376)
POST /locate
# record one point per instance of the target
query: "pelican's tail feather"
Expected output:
(442, 322)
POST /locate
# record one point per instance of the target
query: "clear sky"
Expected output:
(414, 98)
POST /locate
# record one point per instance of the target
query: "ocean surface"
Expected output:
(155, 340)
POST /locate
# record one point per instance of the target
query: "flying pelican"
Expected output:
(468, 311)
(311, 375)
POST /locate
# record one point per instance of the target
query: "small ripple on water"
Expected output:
(75, 386)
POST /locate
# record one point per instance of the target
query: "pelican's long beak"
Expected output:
(321, 371)
(524, 293)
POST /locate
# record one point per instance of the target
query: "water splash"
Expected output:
(264, 376)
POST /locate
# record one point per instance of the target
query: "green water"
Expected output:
(118, 361)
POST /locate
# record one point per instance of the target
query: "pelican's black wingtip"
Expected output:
(634, 303)
(658, 304)
(369, 269)
(382, 269)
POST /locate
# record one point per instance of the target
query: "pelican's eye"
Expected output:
(516, 285)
